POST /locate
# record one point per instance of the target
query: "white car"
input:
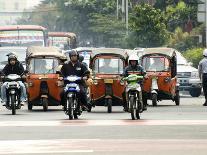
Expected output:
(188, 76)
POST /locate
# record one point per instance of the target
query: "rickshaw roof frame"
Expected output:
(39, 51)
(61, 34)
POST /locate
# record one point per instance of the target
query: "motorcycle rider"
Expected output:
(81, 58)
(13, 67)
(132, 67)
(74, 67)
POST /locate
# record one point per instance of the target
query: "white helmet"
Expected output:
(205, 52)
(133, 57)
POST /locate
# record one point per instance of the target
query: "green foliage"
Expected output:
(178, 15)
(182, 41)
(194, 55)
(148, 27)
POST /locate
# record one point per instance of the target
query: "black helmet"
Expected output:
(12, 56)
(81, 58)
(73, 52)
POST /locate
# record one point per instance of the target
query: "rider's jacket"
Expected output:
(77, 69)
(136, 68)
(13, 69)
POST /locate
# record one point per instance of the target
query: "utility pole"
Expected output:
(206, 20)
(117, 9)
(123, 10)
(127, 17)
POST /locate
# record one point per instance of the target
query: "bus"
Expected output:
(23, 35)
(63, 40)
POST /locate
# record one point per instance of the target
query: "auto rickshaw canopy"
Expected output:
(169, 52)
(109, 52)
(39, 51)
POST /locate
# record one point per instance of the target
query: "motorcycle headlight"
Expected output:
(194, 75)
(167, 79)
(30, 84)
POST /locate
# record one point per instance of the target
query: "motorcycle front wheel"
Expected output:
(13, 106)
(70, 108)
(132, 107)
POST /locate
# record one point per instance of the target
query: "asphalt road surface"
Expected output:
(163, 130)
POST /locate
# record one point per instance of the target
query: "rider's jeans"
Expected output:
(23, 91)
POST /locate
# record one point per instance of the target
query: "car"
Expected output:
(19, 51)
(188, 76)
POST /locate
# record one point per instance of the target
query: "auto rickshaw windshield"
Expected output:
(156, 63)
(43, 66)
(109, 66)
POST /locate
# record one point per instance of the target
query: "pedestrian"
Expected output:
(202, 69)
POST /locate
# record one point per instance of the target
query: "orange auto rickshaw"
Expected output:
(161, 67)
(107, 66)
(44, 85)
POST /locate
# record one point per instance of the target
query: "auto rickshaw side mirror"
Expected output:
(58, 72)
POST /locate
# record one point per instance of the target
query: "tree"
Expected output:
(148, 27)
(194, 55)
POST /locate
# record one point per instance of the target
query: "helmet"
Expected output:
(73, 52)
(11, 53)
(12, 56)
(133, 57)
(81, 58)
(205, 52)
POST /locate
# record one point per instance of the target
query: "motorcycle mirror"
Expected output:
(26, 71)
(86, 72)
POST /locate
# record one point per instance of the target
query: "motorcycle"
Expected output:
(13, 92)
(71, 90)
(134, 95)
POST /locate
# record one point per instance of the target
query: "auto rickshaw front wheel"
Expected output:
(177, 98)
(109, 104)
(45, 104)
(154, 99)
(29, 105)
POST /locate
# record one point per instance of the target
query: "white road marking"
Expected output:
(101, 123)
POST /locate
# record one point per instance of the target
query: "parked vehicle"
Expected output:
(188, 77)
(44, 84)
(134, 95)
(161, 67)
(107, 66)
(13, 92)
(63, 40)
(23, 35)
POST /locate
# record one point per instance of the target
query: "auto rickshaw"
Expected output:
(107, 66)
(44, 85)
(161, 67)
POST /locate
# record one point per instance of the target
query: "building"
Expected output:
(11, 10)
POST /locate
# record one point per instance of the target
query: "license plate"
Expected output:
(108, 81)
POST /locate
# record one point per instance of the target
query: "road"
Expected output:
(163, 130)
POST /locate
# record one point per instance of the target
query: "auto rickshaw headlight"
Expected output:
(30, 84)
(60, 83)
(167, 79)
(95, 82)
(122, 82)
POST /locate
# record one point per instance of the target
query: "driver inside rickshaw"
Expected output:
(40, 66)
(106, 67)
(157, 65)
